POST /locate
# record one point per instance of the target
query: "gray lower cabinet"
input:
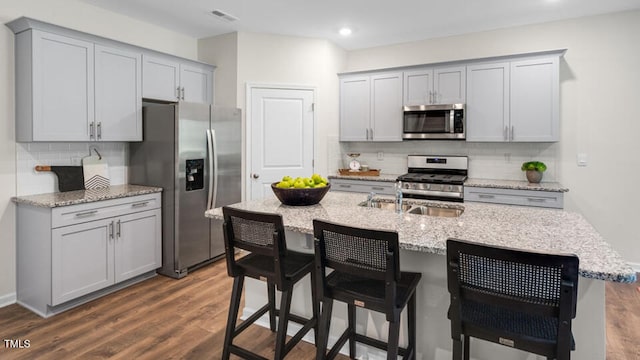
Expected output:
(363, 186)
(538, 198)
(73, 254)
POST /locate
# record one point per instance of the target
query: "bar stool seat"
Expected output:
(263, 235)
(366, 273)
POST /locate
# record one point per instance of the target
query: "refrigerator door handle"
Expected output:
(210, 202)
(214, 158)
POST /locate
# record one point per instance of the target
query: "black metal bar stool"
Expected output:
(263, 235)
(366, 273)
(521, 299)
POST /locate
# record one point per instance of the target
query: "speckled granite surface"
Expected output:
(382, 177)
(548, 230)
(84, 196)
(517, 185)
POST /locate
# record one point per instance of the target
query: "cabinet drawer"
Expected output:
(550, 199)
(76, 214)
(363, 186)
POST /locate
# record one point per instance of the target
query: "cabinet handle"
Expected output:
(371, 132)
(344, 186)
(99, 127)
(430, 97)
(182, 93)
(178, 92)
(118, 228)
(506, 132)
(111, 230)
(512, 127)
(366, 131)
(536, 199)
(485, 196)
(379, 188)
(140, 204)
(91, 135)
(86, 213)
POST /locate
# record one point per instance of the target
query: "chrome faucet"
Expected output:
(399, 197)
(370, 199)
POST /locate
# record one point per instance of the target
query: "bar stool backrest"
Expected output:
(529, 282)
(256, 232)
(366, 253)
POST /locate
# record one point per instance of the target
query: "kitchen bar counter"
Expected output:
(515, 185)
(422, 240)
(547, 230)
(67, 198)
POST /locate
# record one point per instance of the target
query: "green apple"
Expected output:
(286, 178)
(309, 182)
(284, 184)
(299, 184)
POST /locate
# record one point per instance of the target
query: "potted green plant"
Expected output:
(534, 170)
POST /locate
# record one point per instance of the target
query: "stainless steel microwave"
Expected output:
(434, 122)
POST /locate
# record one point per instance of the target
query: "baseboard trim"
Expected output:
(6, 300)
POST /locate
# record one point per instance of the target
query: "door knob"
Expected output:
(255, 176)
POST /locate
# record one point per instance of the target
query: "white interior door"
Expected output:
(280, 129)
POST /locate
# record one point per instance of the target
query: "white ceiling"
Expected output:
(374, 22)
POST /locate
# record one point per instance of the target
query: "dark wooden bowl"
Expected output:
(300, 197)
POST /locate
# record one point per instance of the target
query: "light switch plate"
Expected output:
(582, 159)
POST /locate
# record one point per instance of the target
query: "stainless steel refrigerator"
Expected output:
(192, 151)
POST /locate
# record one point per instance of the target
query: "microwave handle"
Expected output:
(449, 127)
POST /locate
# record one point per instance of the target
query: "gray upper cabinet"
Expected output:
(535, 98)
(54, 87)
(167, 79)
(371, 107)
(514, 101)
(161, 78)
(118, 95)
(488, 102)
(73, 86)
(439, 85)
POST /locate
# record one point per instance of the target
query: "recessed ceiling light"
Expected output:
(345, 31)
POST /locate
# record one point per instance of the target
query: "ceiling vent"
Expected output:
(223, 15)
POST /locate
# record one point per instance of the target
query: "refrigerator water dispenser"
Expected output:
(194, 174)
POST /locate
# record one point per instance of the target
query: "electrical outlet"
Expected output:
(380, 155)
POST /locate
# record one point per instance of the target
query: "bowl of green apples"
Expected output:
(301, 191)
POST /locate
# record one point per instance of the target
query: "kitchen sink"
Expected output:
(429, 209)
(436, 211)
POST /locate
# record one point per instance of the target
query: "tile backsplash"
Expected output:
(29, 155)
(486, 160)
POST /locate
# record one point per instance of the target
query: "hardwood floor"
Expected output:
(163, 318)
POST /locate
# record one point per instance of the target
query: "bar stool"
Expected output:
(520, 299)
(263, 235)
(366, 273)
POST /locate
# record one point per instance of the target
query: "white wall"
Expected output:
(599, 92)
(79, 16)
(222, 51)
(282, 60)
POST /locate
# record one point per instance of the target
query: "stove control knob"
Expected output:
(450, 188)
(427, 186)
(407, 185)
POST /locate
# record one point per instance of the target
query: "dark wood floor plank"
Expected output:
(164, 318)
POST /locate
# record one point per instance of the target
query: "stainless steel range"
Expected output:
(435, 177)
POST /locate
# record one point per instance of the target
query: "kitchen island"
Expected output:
(422, 240)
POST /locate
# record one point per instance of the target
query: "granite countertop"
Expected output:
(528, 228)
(382, 177)
(84, 196)
(515, 184)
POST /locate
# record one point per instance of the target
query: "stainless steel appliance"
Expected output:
(435, 177)
(434, 122)
(192, 151)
